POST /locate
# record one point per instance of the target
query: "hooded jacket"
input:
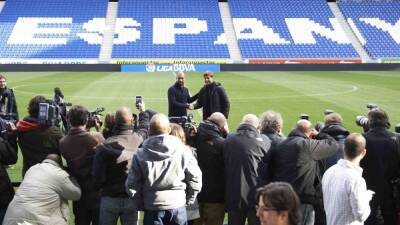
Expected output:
(339, 133)
(164, 174)
(209, 142)
(36, 141)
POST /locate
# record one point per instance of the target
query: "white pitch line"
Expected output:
(353, 89)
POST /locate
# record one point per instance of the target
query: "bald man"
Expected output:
(111, 163)
(244, 158)
(164, 176)
(296, 161)
(179, 97)
(209, 142)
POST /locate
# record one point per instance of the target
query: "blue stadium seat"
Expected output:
(52, 20)
(289, 21)
(376, 22)
(196, 24)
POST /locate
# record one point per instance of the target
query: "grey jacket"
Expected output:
(43, 196)
(164, 175)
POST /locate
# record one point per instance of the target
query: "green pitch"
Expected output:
(289, 93)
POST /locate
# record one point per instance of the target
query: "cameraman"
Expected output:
(8, 104)
(36, 140)
(380, 166)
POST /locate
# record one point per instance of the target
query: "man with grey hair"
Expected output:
(244, 158)
(164, 176)
(296, 161)
(271, 124)
(179, 97)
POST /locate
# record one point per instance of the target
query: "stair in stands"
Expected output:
(229, 30)
(349, 32)
(108, 36)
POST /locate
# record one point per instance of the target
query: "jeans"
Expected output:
(239, 217)
(211, 214)
(112, 208)
(308, 214)
(165, 217)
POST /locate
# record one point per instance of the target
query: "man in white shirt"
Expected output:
(346, 198)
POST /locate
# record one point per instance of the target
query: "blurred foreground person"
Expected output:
(43, 195)
(164, 176)
(346, 198)
(278, 204)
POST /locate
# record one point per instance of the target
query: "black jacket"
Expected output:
(178, 99)
(113, 158)
(381, 163)
(295, 160)
(8, 156)
(339, 133)
(209, 143)
(275, 138)
(212, 97)
(245, 159)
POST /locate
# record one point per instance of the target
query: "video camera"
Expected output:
(93, 116)
(186, 122)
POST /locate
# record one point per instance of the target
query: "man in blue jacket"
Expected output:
(179, 97)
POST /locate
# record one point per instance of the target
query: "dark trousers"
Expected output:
(388, 211)
(165, 217)
(84, 215)
(2, 214)
(239, 217)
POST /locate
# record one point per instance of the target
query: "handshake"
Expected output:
(190, 106)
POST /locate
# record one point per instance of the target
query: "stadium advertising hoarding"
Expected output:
(303, 61)
(49, 61)
(151, 67)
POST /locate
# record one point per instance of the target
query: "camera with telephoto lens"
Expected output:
(186, 122)
(49, 113)
(94, 116)
(304, 116)
(362, 121)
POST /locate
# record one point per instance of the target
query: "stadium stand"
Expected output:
(169, 29)
(378, 26)
(51, 29)
(289, 29)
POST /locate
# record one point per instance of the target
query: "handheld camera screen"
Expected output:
(138, 100)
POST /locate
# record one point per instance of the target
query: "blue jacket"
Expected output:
(178, 99)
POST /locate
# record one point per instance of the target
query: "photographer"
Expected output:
(111, 163)
(333, 126)
(8, 104)
(8, 156)
(36, 140)
(209, 142)
(380, 166)
(78, 148)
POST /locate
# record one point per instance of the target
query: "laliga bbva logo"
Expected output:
(150, 67)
